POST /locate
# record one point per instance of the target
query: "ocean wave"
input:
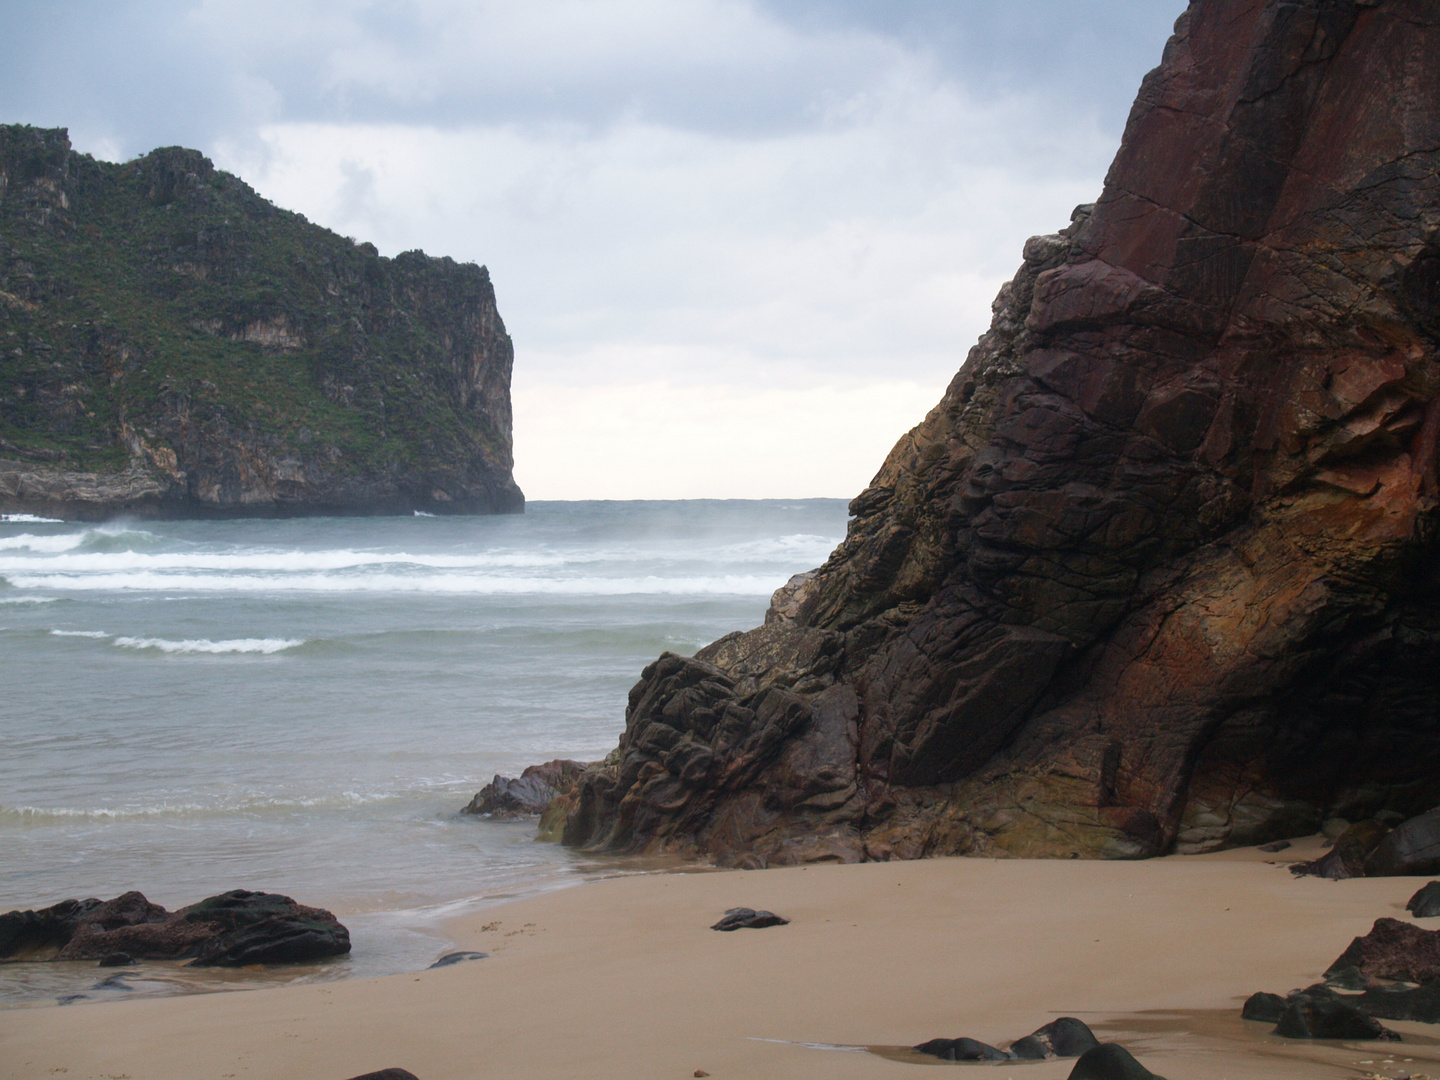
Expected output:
(245, 804)
(113, 538)
(80, 633)
(203, 645)
(64, 558)
(27, 599)
(44, 545)
(30, 519)
(796, 545)
(440, 584)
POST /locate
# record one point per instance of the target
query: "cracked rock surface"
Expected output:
(1159, 570)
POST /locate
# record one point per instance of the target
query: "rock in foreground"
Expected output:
(1110, 1061)
(233, 929)
(1157, 572)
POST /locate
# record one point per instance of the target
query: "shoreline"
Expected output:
(624, 978)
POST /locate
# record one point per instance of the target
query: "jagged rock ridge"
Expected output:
(1159, 571)
(173, 344)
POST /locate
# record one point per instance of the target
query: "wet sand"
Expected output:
(622, 978)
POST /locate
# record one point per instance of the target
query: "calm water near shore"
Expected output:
(302, 706)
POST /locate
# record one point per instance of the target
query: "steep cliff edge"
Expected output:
(1159, 571)
(173, 344)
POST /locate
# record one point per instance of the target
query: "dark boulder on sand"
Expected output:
(1392, 950)
(1425, 904)
(744, 918)
(1264, 1007)
(1110, 1061)
(962, 1049)
(1065, 1037)
(1315, 1017)
(231, 929)
(387, 1074)
(1347, 858)
(1419, 1003)
(1412, 849)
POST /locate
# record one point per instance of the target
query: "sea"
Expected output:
(304, 705)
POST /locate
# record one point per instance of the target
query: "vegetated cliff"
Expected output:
(1159, 572)
(173, 344)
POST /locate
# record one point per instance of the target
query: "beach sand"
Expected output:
(623, 978)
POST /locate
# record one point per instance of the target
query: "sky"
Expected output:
(741, 246)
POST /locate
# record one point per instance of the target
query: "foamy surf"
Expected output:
(289, 703)
(202, 645)
(31, 519)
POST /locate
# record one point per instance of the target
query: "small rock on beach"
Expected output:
(744, 918)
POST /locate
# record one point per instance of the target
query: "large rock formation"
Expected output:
(1159, 571)
(173, 344)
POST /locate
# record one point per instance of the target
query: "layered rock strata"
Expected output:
(1159, 571)
(172, 344)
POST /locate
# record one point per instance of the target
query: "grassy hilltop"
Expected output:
(161, 321)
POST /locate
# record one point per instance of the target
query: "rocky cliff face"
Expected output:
(173, 344)
(1159, 571)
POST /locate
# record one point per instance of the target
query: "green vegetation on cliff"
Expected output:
(160, 317)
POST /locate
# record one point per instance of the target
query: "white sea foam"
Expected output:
(80, 633)
(28, 599)
(202, 645)
(430, 584)
(31, 519)
(64, 559)
(43, 545)
(422, 513)
(238, 804)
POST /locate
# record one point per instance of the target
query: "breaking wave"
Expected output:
(203, 645)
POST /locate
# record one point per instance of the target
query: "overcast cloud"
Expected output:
(741, 247)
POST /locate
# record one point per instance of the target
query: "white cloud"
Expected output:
(721, 441)
(738, 201)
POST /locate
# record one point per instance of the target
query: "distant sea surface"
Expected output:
(302, 706)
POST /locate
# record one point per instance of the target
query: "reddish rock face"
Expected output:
(1159, 569)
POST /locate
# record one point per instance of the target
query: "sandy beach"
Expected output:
(623, 978)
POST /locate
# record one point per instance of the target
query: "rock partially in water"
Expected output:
(1420, 1003)
(744, 918)
(1392, 950)
(507, 798)
(116, 959)
(231, 929)
(1065, 1037)
(456, 958)
(1315, 1017)
(1265, 1007)
(1110, 1061)
(963, 1049)
(1425, 904)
